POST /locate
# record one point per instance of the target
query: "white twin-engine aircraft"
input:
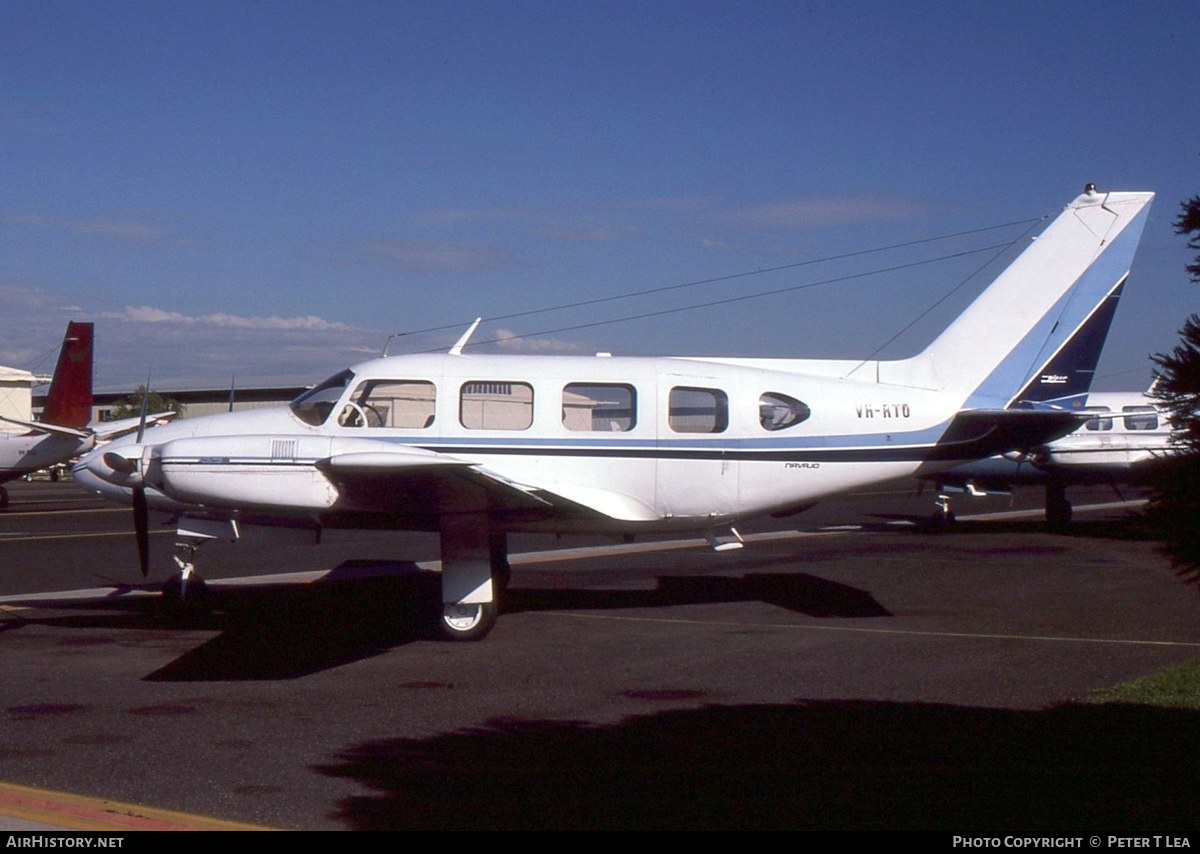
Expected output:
(474, 447)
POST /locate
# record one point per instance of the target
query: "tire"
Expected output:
(1058, 513)
(943, 521)
(463, 623)
(190, 602)
(1058, 508)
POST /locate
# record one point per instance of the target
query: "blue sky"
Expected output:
(274, 188)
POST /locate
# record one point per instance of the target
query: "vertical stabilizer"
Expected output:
(69, 403)
(1066, 378)
(1050, 307)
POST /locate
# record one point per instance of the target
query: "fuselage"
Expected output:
(638, 442)
(21, 453)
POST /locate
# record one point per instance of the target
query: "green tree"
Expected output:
(1174, 509)
(131, 406)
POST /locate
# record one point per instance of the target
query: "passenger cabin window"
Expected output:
(496, 406)
(405, 404)
(779, 411)
(1140, 418)
(1098, 423)
(698, 410)
(314, 405)
(607, 407)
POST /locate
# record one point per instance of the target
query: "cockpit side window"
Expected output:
(404, 404)
(314, 405)
(779, 411)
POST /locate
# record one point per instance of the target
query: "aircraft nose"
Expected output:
(86, 479)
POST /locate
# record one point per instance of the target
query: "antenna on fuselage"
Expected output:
(457, 349)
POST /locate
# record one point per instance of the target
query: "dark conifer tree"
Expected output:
(1174, 510)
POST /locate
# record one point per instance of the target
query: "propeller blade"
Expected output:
(141, 527)
(141, 431)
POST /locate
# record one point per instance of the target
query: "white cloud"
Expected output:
(171, 345)
(127, 229)
(833, 210)
(150, 314)
(507, 339)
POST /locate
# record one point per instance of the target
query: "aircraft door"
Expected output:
(696, 476)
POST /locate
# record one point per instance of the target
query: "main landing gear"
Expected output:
(1058, 507)
(3, 497)
(475, 571)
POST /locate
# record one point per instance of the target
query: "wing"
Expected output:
(412, 481)
(41, 427)
(106, 430)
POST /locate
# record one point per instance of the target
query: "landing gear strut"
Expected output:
(1058, 508)
(943, 516)
(186, 594)
(474, 569)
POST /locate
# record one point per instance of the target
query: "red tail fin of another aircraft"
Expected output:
(69, 403)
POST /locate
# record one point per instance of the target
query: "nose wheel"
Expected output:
(186, 594)
(943, 516)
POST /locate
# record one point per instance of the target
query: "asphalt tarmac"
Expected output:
(841, 671)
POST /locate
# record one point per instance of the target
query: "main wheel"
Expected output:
(466, 622)
(1058, 511)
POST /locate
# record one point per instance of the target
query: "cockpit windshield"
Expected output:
(314, 405)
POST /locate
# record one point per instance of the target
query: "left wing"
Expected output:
(103, 431)
(107, 430)
(424, 482)
(42, 427)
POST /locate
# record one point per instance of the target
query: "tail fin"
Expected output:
(69, 402)
(1047, 314)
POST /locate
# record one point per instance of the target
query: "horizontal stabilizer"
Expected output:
(977, 433)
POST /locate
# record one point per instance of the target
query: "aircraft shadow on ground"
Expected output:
(363, 608)
(1076, 769)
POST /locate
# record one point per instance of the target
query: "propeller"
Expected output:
(141, 512)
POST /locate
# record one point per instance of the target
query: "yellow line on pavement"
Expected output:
(27, 538)
(77, 812)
